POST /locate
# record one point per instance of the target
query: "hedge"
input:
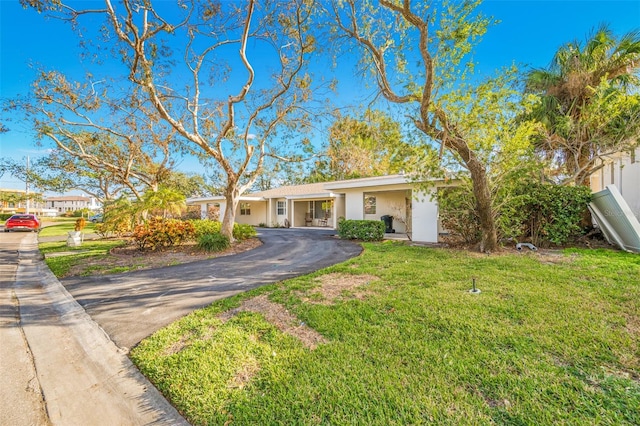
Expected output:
(364, 230)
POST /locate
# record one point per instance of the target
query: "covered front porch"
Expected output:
(317, 212)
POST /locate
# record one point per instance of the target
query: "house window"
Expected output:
(369, 204)
(245, 209)
(282, 208)
(321, 209)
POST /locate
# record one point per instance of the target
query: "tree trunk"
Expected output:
(231, 196)
(482, 193)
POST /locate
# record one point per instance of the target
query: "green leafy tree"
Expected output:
(61, 172)
(188, 184)
(418, 52)
(590, 104)
(165, 201)
(371, 145)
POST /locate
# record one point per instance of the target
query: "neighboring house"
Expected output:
(623, 171)
(323, 204)
(13, 201)
(71, 203)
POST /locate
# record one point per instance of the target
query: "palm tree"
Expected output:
(167, 200)
(589, 102)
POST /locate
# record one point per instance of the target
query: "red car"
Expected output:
(22, 222)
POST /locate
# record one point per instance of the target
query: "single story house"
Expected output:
(622, 170)
(415, 211)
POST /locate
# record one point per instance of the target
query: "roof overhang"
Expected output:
(323, 195)
(368, 182)
(219, 198)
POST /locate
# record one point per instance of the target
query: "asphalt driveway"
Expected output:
(133, 305)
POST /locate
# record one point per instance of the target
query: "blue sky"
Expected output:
(529, 33)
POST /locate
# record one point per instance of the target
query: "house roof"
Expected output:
(369, 181)
(292, 190)
(68, 198)
(316, 190)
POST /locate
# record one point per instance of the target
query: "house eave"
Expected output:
(323, 195)
(218, 198)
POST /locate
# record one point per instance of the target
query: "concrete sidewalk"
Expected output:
(81, 376)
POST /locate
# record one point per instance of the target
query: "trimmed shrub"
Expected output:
(205, 226)
(158, 233)
(243, 232)
(364, 230)
(555, 212)
(5, 216)
(213, 242)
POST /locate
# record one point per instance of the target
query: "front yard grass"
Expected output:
(60, 258)
(63, 228)
(552, 339)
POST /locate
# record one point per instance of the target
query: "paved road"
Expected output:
(57, 366)
(131, 306)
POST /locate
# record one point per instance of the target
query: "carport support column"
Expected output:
(291, 213)
(204, 210)
(269, 209)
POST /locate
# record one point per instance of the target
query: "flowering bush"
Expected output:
(80, 224)
(158, 233)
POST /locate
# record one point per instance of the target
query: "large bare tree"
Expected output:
(99, 133)
(227, 76)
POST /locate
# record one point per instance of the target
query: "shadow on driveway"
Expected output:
(133, 305)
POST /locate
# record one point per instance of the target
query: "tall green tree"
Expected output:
(369, 145)
(418, 53)
(590, 103)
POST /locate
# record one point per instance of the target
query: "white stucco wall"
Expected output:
(258, 212)
(424, 218)
(624, 173)
(424, 213)
(354, 205)
(390, 204)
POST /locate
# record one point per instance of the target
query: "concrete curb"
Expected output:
(85, 378)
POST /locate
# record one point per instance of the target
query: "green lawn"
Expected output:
(64, 227)
(552, 339)
(70, 256)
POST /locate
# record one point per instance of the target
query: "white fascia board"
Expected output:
(204, 199)
(367, 182)
(323, 195)
(216, 198)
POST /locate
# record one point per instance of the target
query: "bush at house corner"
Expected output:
(364, 230)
